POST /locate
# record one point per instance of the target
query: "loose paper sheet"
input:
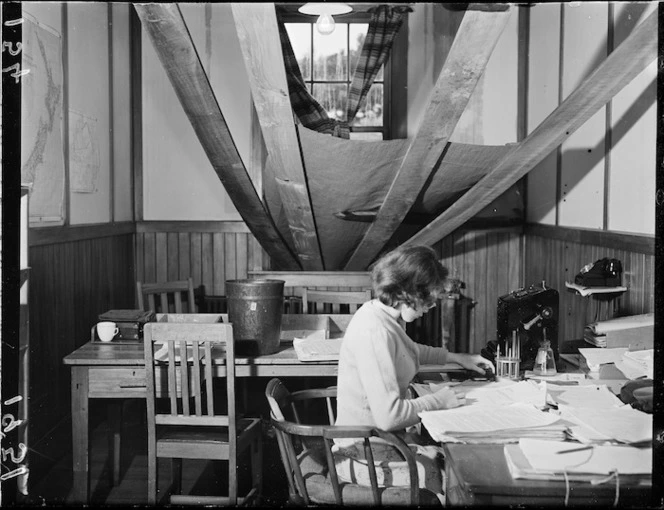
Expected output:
(482, 418)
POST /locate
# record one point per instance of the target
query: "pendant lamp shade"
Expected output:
(325, 11)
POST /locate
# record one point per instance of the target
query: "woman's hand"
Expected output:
(473, 362)
(446, 398)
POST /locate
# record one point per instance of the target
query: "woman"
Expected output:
(378, 361)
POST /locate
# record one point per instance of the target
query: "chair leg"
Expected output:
(176, 476)
(152, 474)
(232, 480)
(257, 466)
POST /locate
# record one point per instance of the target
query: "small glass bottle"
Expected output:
(545, 364)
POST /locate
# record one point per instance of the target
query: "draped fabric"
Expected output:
(383, 29)
(310, 113)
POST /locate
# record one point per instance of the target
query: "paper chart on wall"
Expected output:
(83, 152)
(42, 156)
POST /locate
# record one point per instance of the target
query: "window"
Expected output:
(327, 63)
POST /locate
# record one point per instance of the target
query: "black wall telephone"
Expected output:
(605, 272)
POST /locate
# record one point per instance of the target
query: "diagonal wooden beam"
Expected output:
(171, 39)
(259, 38)
(473, 44)
(635, 53)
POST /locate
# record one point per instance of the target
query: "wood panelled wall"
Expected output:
(71, 283)
(490, 264)
(209, 252)
(557, 254)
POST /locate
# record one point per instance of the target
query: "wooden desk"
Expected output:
(117, 370)
(477, 474)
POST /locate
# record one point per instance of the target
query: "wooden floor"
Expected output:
(199, 477)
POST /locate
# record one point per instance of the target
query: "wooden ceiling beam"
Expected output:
(635, 53)
(472, 46)
(259, 39)
(168, 32)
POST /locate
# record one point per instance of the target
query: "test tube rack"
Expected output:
(508, 365)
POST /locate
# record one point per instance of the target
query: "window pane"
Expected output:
(371, 110)
(357, 32)
(330, 54)
(300, 38)
(332, 97)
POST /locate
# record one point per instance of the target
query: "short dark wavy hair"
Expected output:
(412, 275)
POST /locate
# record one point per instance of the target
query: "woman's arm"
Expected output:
(474, 362)
(375, 359)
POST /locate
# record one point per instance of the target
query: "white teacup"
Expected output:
(106, 331)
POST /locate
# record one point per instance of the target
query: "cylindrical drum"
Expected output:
(255, 308)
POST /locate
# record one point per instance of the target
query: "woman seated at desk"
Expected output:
(378, 361)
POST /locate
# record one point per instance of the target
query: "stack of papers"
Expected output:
(617, 424)
(545, 460)
(491, 424)
(635, 364)
(597, 357)
(598, 340)
(316, 347)
(595, 396)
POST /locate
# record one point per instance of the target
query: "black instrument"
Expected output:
(533, 313)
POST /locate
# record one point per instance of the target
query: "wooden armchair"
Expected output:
(195, 428)
(167, 297)
(333, 301)
(306, 453)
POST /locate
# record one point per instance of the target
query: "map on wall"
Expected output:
(42, 157)
(83, 153)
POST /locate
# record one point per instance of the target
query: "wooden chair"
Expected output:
(308, 460)
(194, 428)
(333, 301)
(167, 297)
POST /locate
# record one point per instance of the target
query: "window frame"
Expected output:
(352, 17)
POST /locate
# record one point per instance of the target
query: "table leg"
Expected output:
(114, 417)
(80, 437)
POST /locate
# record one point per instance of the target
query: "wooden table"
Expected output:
(477, 474)
(116, 370)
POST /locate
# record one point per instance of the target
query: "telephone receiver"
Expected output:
(603, 272)
(606, 267)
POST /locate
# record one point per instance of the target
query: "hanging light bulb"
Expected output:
(325, 11)
(325, 24)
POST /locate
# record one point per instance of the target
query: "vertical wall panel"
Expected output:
(582, 154)
(543, 80)
(122, 171)
(89, 116)
(634, 111)
(219, 269)
(172, 256)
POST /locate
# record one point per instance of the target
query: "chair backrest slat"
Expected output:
(184, 377)
(331, 301)
(172, 378)
(197, 379)
(208, 378)
(167, 297)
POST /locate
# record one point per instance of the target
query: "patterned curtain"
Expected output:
(310, 113)
(383, 28)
